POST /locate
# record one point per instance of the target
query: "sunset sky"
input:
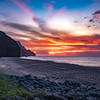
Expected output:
(53, 27)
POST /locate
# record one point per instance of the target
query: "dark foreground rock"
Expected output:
(67, 90)
(8, 46)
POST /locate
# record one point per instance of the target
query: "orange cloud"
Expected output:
(55, 43)
(68, 46)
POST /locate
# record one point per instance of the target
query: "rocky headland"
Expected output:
(8, 46)
(11, 48)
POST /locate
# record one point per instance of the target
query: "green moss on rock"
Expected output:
(10, 90)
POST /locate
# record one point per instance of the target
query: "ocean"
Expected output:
(85, 61)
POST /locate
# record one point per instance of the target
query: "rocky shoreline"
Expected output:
(46, 80)
(68, 90)
(58, 72)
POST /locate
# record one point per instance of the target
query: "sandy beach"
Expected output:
(52, 70)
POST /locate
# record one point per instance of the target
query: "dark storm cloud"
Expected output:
(31, 30)
(22, 27)
(18, 35)
(55, 35)
(19, 26)
(97, 12)
(42, 24)
(94, 20)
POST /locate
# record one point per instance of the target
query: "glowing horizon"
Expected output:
(53, 27)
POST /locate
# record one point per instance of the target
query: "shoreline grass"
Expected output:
(9, 90)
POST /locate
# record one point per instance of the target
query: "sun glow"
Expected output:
(61, 24)
(80, 33)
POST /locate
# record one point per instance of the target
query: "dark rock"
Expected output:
(24, 51)
(37, 98)
(18, 98)
(8, 46)
(29, 97)
(94, 93)
(67, 90)
(54, 97)
(28, 76)
(7, 99)
(90, 98)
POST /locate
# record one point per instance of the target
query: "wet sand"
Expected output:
(52, 70)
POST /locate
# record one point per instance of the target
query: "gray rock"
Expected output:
(18, 98)
(94, 93)
(7, 99)
(28, 76)
(58, 91)
(54, 97)
(90, 98)
(37, 98)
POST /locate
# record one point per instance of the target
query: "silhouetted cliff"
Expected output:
(12, 48)
(24, 51)
(8, 46)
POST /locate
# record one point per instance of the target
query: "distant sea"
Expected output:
(86, 61)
